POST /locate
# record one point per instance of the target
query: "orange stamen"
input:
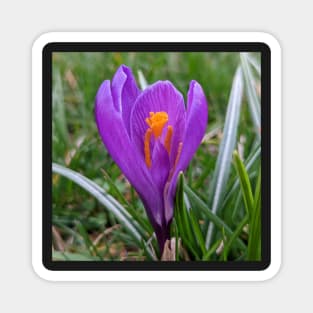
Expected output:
(156, 122)
(168, 138)
(147, 147)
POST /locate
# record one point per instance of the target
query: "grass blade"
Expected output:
(213, 248)
(228, 143)
(109, 202)
(197, 231)
(245, 185)
(253, 208)
(142, 80)
(254, 244)
(145, 225)
(249, 163)
(253, 100)
(89, 245)
(68, 256)
(219, 223)
(182, 217)
(58, 107)
(235, 235)
(254, 63)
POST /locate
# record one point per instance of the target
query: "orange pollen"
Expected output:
(168, 138)
(147, 147)
(156, 122)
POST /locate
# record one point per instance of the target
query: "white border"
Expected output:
(274, 267)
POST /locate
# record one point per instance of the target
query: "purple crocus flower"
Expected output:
(152, 137)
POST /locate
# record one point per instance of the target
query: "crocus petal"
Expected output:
(160, 166)
(197, 118)
(124, 92)
(115, 137)
(161, 96)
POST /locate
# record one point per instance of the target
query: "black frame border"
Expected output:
(156, 47)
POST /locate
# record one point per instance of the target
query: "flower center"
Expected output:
(156, 122)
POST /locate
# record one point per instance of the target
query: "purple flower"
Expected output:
(152, 137)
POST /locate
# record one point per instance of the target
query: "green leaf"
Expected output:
(200, 205)
(253, 100)
(197, 231)
(180, 205)
(233, 194)
(142, 80)
(68, 256)
(253, 209)
(223, 164)
(59, 116)
(207, 255)
(109, 202)
(90, 246)
(235, 235)
(182, 216)
(114, 189)
(254, 243)
(256, 65)
(253, 159)
(174, 233)
(245, 184)
(144, 224)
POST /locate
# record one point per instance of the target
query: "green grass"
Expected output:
(84, 229)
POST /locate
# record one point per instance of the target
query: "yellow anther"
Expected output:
(147, 147)
(156, 122)
(168, 138)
